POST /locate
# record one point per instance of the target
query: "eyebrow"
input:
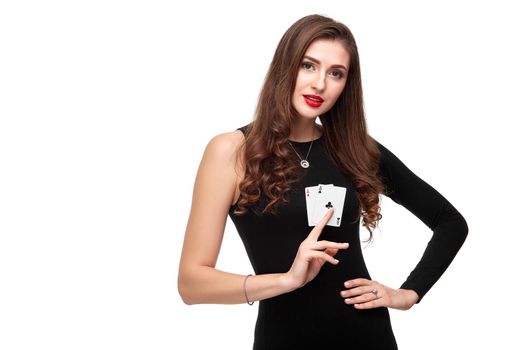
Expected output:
(317, 61)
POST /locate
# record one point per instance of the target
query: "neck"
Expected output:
(305, 130)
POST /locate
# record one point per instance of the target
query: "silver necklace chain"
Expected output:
(303, 162)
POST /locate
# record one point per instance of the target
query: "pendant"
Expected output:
(304, 163)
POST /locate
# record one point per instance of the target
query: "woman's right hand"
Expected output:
(312, 255)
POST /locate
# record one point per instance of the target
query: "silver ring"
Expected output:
(375, 292)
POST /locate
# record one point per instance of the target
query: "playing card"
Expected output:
(311, 193)
(329, 196)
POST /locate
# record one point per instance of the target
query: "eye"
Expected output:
(340, 74)
(306, 64)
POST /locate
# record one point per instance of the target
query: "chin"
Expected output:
(308, 116)
(310, 113)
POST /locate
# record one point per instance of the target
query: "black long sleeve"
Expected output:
(449, 227)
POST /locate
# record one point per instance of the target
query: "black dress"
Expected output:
(316, 316)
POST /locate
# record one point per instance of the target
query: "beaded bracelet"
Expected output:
(244, 287)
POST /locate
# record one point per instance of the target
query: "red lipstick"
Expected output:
(313, 100)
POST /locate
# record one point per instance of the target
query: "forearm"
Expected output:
(447, 239)
(207, 285)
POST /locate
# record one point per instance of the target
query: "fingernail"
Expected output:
(347, 284)
(336, 261)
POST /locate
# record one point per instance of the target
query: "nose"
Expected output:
(318, 82)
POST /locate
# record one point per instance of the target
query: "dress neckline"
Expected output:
(306, 142)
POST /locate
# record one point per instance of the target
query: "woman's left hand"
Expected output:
(359, 293)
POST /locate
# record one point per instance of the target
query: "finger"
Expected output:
(316, 231)
(323, 255)
(358, 282)
(367, 298)
(356, 291)
(327, 244)
(359, 292)
(331, 251)
(370, 304)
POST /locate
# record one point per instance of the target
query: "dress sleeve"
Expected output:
(449, 227)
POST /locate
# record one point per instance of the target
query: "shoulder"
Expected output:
(386, 156)
(379, 145)
(395, 174)
(384, 153)
(226, 142)
(222, 148)
(390, 166)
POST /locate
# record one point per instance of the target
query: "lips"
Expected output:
(313, 100)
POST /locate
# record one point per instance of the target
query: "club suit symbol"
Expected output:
(329, 205)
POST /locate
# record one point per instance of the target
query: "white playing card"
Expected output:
(311, 193)
(327, 197)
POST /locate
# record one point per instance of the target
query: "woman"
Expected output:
(260, 174)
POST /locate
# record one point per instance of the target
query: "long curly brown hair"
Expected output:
(270, 166)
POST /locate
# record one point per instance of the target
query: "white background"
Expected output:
(106, 108)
